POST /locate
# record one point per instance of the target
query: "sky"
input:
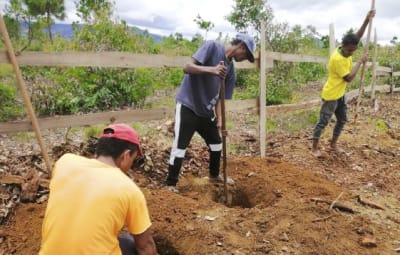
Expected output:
(167, 17)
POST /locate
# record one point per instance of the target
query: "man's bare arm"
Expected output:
(145, 244)
(350, 77)
(369, 17)
(195, 67)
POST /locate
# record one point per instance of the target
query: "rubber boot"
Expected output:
(215, 159)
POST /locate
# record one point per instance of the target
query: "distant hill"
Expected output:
(156, 38)
(66, 31)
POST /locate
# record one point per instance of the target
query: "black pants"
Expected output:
(127, 244)
(186, 124)
(328, 108)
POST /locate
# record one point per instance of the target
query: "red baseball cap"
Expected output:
(124, 132)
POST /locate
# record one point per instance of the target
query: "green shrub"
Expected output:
(9, 108)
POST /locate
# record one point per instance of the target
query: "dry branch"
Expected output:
(339, 206)
(335, 201)
(12, 179)
(366, 202)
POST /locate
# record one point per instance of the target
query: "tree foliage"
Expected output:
(203, 24)
(247, 14)
(33, 15)
(46, 9)
(90, 10)
(280, 37)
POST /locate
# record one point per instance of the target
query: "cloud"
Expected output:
(157, 22)
(343, 14)
(176, 16)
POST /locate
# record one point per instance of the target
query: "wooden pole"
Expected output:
(25, 96)
(332, 40)
(263, 91)
(362, 80)
(223, 132)
(392, 85)
(373, 82)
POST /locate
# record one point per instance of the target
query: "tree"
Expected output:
(205, 25)
(17, 16)
(89, 10)
(248, 14)
(47, 9)
(394, 40)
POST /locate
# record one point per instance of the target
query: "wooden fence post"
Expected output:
(332, 40)
(362, 80)
(392, 79)
(24, 93)
(263, 91)
(373, 81)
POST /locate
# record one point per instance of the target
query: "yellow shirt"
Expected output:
(89, 203)
(339, 66)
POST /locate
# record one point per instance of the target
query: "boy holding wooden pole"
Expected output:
(340, 73)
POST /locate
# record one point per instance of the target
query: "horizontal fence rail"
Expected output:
(160, 113)
(133, 60)
(105, 59)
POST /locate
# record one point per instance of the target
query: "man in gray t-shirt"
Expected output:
(197, 106)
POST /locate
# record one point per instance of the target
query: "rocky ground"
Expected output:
(287, 203)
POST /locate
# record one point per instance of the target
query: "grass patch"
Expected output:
(141, 128)
(294, 121)
(229, 125)
(6, 70)
(95, 131)
(162, 98)
(381, 126)
(271, 125)
(24, 136)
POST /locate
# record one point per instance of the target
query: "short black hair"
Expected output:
(113, 147)
(350, 39)
(236, 41)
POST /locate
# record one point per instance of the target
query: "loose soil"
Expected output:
(281, 204)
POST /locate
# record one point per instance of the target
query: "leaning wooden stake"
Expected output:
(223, 129)
(362, 80)
(25, 96)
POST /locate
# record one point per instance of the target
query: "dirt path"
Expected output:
(278, 205)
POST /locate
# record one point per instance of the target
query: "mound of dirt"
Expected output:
(288, 203)
(274, 209)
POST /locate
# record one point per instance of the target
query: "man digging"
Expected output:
(340, 73)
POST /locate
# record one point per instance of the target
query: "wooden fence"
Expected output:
(129, 60)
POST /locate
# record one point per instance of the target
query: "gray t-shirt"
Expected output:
(200, 92)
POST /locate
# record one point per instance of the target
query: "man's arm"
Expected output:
(353, 73)
(369, 17)
(195, 67)
(144, 243)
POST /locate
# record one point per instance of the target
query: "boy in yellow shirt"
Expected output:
(340, 72)
(91, 200)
